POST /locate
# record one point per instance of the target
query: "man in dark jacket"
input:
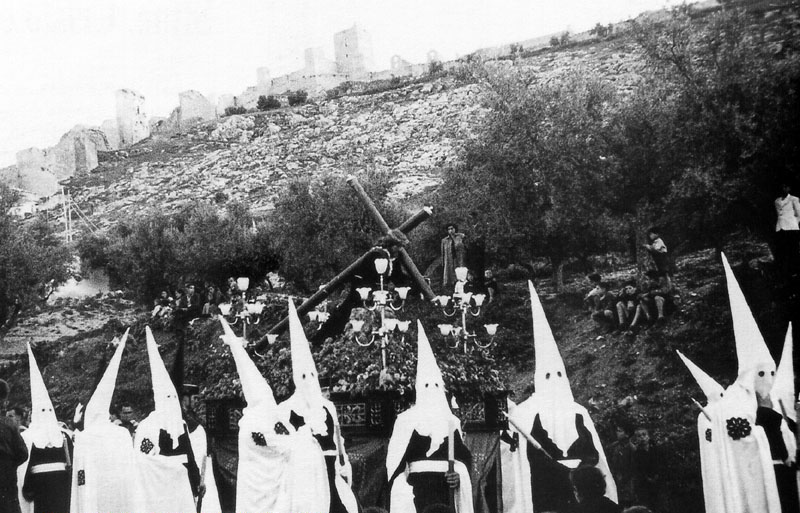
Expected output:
(13, 453)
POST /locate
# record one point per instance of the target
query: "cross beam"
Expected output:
(405, 258)
(330, 287)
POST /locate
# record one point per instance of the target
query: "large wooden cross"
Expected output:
(394, 237)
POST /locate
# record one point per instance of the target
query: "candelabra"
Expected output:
(467, 304)
(248, 312)
(380, 301)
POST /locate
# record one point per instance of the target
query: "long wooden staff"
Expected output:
(338, 429)
(451, 462)
(705, 413)
(536, 445)
(202, 482)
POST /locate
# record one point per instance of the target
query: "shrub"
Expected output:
(201, 243)
(297, 97)
(268, 102)
(231, 111)
(435, 67)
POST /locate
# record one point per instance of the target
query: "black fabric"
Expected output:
(785, 475)
(13, 453)
(596, 505)
(549, 478)
(184, 446)
(771, 420)
(49, 491)
(430, 487)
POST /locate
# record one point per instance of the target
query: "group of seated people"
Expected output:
(632, 306)
(190, 303)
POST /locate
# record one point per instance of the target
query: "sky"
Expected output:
(61, 61)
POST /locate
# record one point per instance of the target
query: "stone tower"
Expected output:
(131, 118)
(353, 51)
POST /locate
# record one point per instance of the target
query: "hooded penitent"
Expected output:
(164, 458)
(308, 409)
(710, 455)
(782, 393)
(756, 366)
(734, 449)
(562, 427)
(269, 454)
(44, 430)
(44, 479)
(419, 443)
(103, 477)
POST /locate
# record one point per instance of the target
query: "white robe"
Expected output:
(164, 481)
(103, 477)
(558, 419)
(276, 473)
(199, 442)
(742, 478)
(402, 495)
(516, 472)
(297, 404)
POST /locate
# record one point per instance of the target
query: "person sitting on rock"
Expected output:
(627, 300)
(590, 300)
(657, 296)
(162, 305)
(604, 312)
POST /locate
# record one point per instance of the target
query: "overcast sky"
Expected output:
(62, 60)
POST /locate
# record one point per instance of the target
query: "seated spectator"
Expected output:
(590, 488)
(627, 299)
(490, 285)
(658, 297)
(162, 305)
(194, 305)
(472, 285)
(604, 312)
(591, 298)
(181, 306)
(658, 251)
(211, 304)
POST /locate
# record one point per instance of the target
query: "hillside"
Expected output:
(412, 131)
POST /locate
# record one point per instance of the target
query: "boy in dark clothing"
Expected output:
(657, 296)
(627, 300)
(644, 468)
(13, 453)
(590, 487)
(605, 307)
(658, 251)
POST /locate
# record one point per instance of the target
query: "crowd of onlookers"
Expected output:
(191, 302)
(634, 305)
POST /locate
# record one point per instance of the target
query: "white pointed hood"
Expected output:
(168, 406)
(756, 366)
(44, 430)
(709, 385)
(783, 389)
(256, 390)
(97, 410)
(307, 391)
(550, 375)
(431, 409)
(429, 385)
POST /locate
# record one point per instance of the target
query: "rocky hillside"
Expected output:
(412, 131)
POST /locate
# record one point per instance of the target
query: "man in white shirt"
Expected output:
(787, 233)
